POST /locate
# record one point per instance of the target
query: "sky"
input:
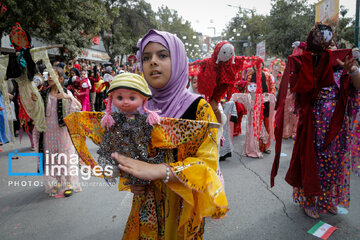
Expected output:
(211, 16)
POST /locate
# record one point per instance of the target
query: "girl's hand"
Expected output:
(33, 97)
(11, 97)
(63, 95)
(140, 169)
(348, 65)
(138, 189)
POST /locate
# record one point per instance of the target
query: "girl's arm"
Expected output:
(144, 170)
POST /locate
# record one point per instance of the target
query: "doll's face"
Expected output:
(127, 101)
(252, 87)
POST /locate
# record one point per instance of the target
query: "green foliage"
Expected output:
(289, 21)
(346, 28)
(245, 30)
(130, 21)
(69, 22)
(169, 20)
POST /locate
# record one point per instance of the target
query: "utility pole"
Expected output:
(356, 37)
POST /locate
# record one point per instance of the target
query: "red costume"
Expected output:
(306, 81)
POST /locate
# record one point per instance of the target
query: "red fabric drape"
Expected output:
(307, 82)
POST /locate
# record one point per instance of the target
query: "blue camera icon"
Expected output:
(15, 153)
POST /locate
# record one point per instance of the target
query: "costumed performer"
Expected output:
(325, 83)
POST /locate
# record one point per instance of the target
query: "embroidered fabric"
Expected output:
(129, 136)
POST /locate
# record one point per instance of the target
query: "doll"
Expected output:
(127, 131)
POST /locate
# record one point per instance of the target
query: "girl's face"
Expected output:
(72, 73)
(127, 101)
(83, 74)
(194, 84)
(51, 81)
(156, 64)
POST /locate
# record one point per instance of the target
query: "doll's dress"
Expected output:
(129, 136)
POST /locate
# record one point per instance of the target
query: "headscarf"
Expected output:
(173, 99)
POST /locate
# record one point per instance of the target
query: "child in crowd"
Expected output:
(85, 86)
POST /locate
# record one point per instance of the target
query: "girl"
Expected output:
(56, 139)
(74, 82)
(186, 189)
(84, 97)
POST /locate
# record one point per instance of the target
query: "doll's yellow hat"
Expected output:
(131, 81)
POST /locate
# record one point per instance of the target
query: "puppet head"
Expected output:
(251, 87)
(223, 52)
(277, 67)
(19, 38)
(128, 91)
(319, 38)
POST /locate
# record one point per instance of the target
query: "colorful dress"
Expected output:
(171, 210)
(57, 141)
(334, 162)
(84, 97)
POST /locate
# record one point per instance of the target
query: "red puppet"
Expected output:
(218, 74)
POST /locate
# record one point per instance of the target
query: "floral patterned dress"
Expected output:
(334, 162)
(57, 141)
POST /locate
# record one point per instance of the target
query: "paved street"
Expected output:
(100, 211)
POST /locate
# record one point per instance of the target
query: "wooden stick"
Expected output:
(214, 125)
(54, 46)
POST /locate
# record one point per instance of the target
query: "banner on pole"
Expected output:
(327, 12)
(261, 50)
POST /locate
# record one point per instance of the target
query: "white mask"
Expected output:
(327, 35)
(252, 87)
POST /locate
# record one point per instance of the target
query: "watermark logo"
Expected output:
(16, 154)
(60, 164)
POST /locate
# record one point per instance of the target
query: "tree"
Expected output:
(72, 23)
(169, 20)
(245, 30)
(346, 27)
(289, 21)
(130, 21)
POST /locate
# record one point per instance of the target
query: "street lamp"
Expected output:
(229, 5)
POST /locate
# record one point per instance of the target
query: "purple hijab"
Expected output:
(173, 99)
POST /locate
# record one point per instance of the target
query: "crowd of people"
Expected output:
(313, 98)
